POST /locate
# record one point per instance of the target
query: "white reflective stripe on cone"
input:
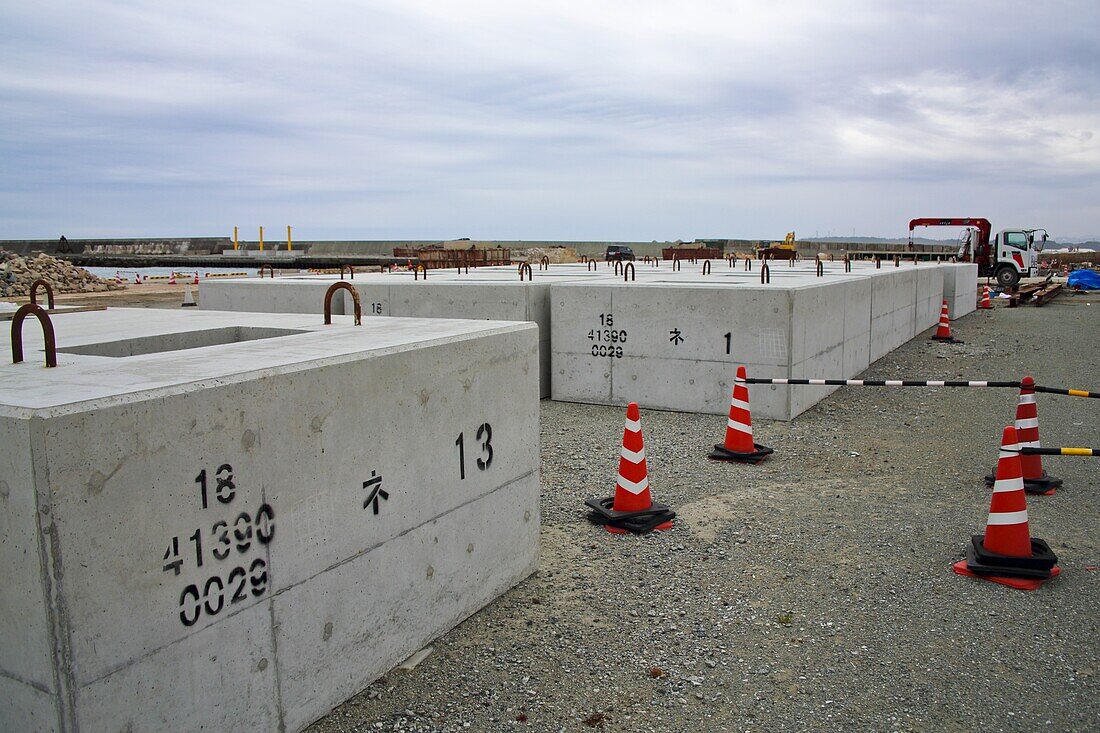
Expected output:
(633, 426)
(1027, 399)
(739, 426)
(1002, 485)
(1027, 422)
(635, 488)
(1007, 451)
(633, 456)
(739, 403)
(1007, 517)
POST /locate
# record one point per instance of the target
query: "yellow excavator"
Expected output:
(784, 250)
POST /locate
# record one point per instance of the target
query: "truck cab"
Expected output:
(1009, 256)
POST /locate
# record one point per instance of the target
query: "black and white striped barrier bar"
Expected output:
(918, 383)
(883, 382)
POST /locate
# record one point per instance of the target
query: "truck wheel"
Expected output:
(1007, 278)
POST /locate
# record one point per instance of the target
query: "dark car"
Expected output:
(618, 252)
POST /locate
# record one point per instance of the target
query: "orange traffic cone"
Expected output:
(172, 279)
(1036, 480)
(1007, 553)
(738, 445)
(631, 509)
(943, 333)
(985, 304)
(195, 281)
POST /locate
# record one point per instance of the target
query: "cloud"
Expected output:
(545, 119)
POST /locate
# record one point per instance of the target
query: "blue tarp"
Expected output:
(1084, 280)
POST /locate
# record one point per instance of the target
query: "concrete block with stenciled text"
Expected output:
(235, 521)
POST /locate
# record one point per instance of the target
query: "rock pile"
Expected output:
(17, 273)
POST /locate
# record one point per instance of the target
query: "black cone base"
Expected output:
(639, 522)
(721, 453)
(983, 562)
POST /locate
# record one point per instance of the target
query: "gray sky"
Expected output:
(546, 120)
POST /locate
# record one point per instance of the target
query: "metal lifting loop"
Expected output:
(49, 292)
(765, 273)
(525, 267)
(354, 296)
(47, 333)
(618, 267)
(706, 267)
(675, 264)
(628, 268)
(748, 264)
(820, 268)
(351, 272)
(847, 264)
(544, 263)
(269, 267)
(592, 265)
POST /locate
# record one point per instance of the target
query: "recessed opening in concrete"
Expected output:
(179, 341)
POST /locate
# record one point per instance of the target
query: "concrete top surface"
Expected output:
(803, 274)
(182, 350)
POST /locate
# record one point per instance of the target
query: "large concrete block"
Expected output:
(929, 296)
(675, 345)
(487, 293)
(960, 288)
(240, 534)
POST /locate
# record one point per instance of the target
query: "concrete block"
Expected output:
(240, 534)
(960, 288)
(487, 293)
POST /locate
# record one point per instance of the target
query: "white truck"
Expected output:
(1011, 255)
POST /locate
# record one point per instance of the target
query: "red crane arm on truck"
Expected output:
(981, 250)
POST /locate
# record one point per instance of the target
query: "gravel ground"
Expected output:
(810, 592)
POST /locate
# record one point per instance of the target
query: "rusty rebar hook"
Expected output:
(629, 268)
(351, 272)
(354, 296)
(269, 267)
(47, 333)
(525, 267)
(49, 292)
